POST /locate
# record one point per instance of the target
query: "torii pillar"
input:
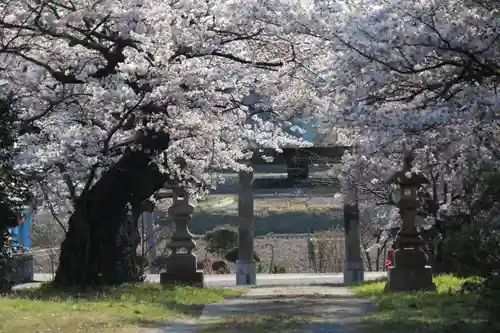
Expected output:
(245, 265)
(353, 264)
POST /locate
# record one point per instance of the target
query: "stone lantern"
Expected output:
(181, 265)
(410, 270)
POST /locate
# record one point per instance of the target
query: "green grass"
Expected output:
(125, 309)
(213, 199)
(268, 206)
(447, 310)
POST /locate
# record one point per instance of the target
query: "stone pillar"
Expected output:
(353, 264)
(181, 263)
(245, 265)
(297, 165)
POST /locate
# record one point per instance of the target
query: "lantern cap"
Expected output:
(406, 177)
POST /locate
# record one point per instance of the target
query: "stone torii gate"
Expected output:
(182, 267)
(297, 161)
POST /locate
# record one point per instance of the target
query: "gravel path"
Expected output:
(308, 309)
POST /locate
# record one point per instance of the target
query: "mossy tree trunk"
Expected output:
(101, 242)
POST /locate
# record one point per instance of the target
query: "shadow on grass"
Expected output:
(181, 299)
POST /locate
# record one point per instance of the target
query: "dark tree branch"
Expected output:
(51, 207)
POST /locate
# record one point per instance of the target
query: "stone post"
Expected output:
(181, 263)
(353, 264)
(245, 265)
(297, 165)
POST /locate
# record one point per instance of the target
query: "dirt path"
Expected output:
(308, 309)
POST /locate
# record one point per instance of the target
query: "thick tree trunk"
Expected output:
(100, 246)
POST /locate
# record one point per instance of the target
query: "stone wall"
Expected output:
(23, 267)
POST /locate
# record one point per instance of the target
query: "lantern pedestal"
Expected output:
(410, 271)
(194, 279)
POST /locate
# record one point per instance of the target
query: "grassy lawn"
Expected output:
(125, 309)
(268, 205)
(447, 310)
(214, 199)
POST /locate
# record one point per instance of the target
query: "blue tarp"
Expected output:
(22, 233)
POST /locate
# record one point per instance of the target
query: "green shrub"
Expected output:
(232, 255)
(278, 269)
(470, 238)
(473, 249)
(221, 239)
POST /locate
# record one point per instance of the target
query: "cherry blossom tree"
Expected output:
(426, 81)
(402, 76)
(118, 98)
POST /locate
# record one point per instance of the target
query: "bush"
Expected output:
(326, 251)
(488, 300)
(470, 243)
(232, 255)
(220, 240)
(278, 269)
(473, 249)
